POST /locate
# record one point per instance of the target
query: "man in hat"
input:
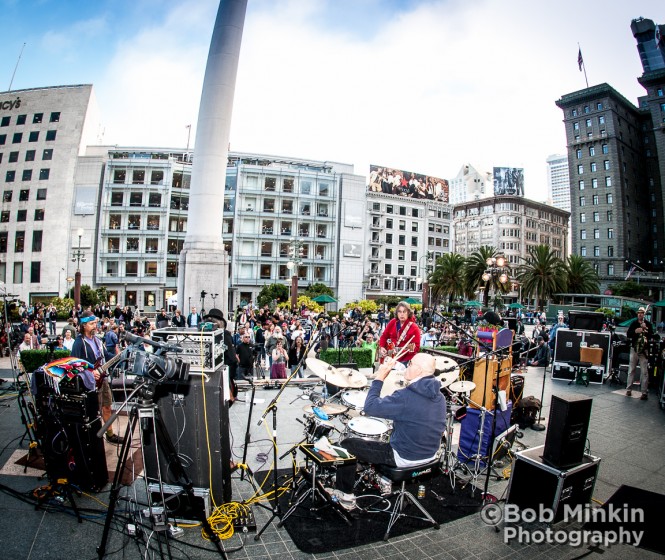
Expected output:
(640, 332)
(87, 346)
(430, 338)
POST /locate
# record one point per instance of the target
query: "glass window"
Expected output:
(151, 269)
(7, 196)
(580, 169)
(583, 251)
(19, 241)
(37, 118)
(131, 268)
(3, 139)
(119, 175)
(21, 119)
(153, 222)
(13, 157)
(157, 177)
(30, 155)
(44, 174)
(609, 198)
(41, 194)
(596, 234)
(3, 241)
(55, 116)
(26, 175)
(606, 164)
(5, 121)
(582, 201)
(154, 200)
(4, 216)
(17, 137)
(37, 236)
(610, 233)
(34, 136)
(596, 216)
(35, 271)
(594, 167)
(132, 244)
(581, 185)
(582, 234)
(21, 215)
(50, 135)
(113, 244)
(606, 149)
(39, 214)
(24, 194)
(47, 154)
(117, 198)
(596, 251)
(134, 221)
(595, 199)
(135, 199)
(138, 176)
(579, 154)
(582, 217)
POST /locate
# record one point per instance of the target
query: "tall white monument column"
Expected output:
(204, 265)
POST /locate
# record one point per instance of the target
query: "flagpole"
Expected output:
(580, 62)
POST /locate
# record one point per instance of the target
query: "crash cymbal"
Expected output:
(339, 377)
(331, 409)
(442, 362)
(394, 382)
(462, 386)
(448, 377)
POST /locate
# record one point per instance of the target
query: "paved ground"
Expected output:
(626, 433)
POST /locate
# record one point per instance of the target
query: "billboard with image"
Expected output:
(388, 180)
(508, 180)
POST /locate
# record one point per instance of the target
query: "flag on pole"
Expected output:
(630, 273)
(580, 60)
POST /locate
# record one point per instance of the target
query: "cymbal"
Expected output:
(393, 382)
(448, 377)
(339, 377)
(462, 386)
(443, 362)
(331, 409)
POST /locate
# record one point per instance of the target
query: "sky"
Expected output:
(424, 86)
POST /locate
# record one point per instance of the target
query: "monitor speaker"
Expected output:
(586, 320)
(567, 431)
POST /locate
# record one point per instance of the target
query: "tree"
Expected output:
(630, 289)
(581, 278)
(475, 267)
(89, 297)
(447, 280)
(271, 294)
(318, 289)
(542, 274)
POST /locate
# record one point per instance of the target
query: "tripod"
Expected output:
(146, 411)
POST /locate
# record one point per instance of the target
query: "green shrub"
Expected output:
(362, 356)
(32, 359)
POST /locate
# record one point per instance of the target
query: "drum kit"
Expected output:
(343, 411)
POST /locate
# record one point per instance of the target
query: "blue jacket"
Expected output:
(418, 413)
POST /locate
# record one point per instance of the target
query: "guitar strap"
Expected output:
(99, 354)
(404, 331)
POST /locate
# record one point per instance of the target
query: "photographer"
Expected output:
(245, 352)
(296, 354)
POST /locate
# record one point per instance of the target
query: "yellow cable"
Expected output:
(95, 499)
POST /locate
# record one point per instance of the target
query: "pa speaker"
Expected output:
(586, 320)
(567, 430)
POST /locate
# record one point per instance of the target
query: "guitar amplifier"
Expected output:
(203, 350)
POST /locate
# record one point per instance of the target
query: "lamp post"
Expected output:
(60, 271)
(78, 257)
(296, 253)
(69, 281)
(496, 268)
(424, 278)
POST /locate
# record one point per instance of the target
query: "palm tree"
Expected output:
(447, 279)
(476, 265)
(581, 278)
(542, 273)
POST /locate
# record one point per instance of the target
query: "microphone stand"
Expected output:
(539, 426)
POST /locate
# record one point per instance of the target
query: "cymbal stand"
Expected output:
(248, 436)
(447, 467)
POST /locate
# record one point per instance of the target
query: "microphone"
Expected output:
(135, 339)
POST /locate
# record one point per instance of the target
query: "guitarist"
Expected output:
(88, 346)
(402, 331)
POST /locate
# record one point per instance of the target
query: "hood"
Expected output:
(429, 387)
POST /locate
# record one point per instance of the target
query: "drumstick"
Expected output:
(403, 350)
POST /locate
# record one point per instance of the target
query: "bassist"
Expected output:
(88, 346)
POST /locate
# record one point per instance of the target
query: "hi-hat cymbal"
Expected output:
(339, 377)
(462, 386)
(331, 409)
(442, 362)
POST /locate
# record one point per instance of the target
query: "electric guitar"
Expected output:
(102, 368)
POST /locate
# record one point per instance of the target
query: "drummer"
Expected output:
(401, 331)
(418, 413)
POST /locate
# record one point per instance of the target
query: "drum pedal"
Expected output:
(385, 485)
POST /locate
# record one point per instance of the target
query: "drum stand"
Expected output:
(309, 481)
(448, 464)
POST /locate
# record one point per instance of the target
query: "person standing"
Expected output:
(640, 332)
(401, 332)
(194, 319)
(296, 355)
(280, 360)
(87, 346)
(52, 317)
(245, 352)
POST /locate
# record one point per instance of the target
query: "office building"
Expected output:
(558, 181)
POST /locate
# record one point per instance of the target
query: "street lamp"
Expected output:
(496, 268)
(69, 280)
(424, 278)
(296, 253)
(78, 257)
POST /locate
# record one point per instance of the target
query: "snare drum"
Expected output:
(317, 428)
(355, 400)
(367, 428)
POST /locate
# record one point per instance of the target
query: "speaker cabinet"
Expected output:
(533, 483)
(567, 430)
(195, 416)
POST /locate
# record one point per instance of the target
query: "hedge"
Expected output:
(32, 359)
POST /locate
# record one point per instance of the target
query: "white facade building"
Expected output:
(471, 184)
(43, 131)
(558, 181)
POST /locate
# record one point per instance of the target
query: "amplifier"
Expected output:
(561, 370)
(82, 408)
(203, 350)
